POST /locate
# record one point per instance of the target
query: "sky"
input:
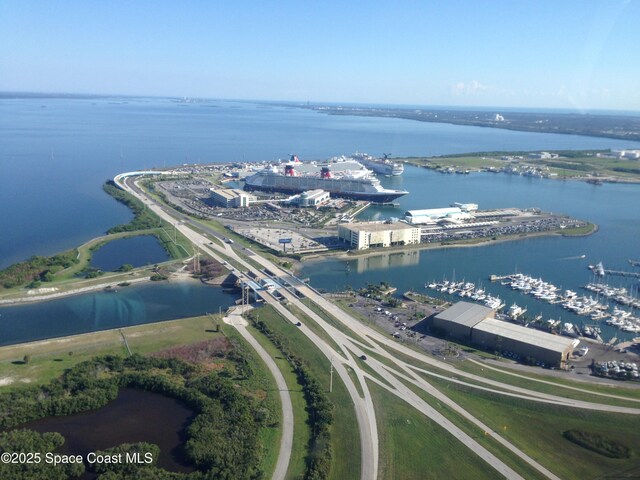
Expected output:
(578, 54)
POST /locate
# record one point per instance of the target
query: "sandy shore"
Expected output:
(36, 297)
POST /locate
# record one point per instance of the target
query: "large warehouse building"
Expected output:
(458, 320)
(492, 334)
(475, 324)
(378, 234)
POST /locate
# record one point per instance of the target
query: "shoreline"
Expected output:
(342, 255)
(175, 277)
(424, 162)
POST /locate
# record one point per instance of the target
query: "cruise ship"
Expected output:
(383, 166)
(342, 178)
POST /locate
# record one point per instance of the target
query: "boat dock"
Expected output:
(599, 270)
(621, 273)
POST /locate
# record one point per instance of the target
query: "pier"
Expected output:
(599, 270)
(621, 273)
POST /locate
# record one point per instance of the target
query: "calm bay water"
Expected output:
(136, 251)
(614, 208)
(128, 306)
(56, 153)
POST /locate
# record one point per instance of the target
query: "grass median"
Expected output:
(345, 437)
(538, 429)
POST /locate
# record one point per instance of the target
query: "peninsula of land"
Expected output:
(620, 126)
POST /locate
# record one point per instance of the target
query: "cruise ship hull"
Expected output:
(382, 167)
(351, 188)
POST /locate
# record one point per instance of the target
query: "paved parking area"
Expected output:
(271, 237)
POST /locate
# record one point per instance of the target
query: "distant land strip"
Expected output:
(622, 127)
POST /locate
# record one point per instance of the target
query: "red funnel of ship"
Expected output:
(325, 172)
(295, 159)
(290, 171)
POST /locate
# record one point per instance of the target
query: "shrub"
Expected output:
(597, 443)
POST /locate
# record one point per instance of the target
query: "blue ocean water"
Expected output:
(55, 153)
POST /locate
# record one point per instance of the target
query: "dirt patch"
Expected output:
(4, 381)
(201, 352)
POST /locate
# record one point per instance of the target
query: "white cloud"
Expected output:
(474, 87)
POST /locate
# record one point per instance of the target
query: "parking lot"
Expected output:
(272, 238)
(515, 225)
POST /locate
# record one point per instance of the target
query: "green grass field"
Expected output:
(529, 381)
(537, 430)
(412, 447)
(314, 327)
(301, 431)
(50, 358)
(344, 430)
(578, 231)
(571, 164)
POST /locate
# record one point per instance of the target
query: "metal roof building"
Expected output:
(458, 320)
(497, 335)
(475, 324)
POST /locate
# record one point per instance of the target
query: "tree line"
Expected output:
(222, 440)
(319, 408)
(37, 269)
(143, 217)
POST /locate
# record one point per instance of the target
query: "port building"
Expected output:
(458, 320)
(366, 235)
(312, 198)
(466, 207)
(475, 325)
(498, 335)
(231, 197)
(433, 215)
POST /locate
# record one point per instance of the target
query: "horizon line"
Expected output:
(41, 94)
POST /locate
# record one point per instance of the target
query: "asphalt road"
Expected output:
(234, 317)
(365, 337)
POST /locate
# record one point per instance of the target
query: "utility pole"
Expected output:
(331, 376)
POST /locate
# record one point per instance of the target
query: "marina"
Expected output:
(595, 309)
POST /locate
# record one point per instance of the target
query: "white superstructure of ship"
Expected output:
(341, 178)
(383, 166)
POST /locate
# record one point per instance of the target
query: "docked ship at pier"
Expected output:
(341, 178)
(383, 166)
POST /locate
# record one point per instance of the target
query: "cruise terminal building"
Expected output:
(474, 324)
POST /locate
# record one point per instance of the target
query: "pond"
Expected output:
(135, 416)
(137, 251)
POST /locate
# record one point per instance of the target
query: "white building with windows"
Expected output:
(366, 235)
(231, 197)
(313, 198)
(434, 215)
